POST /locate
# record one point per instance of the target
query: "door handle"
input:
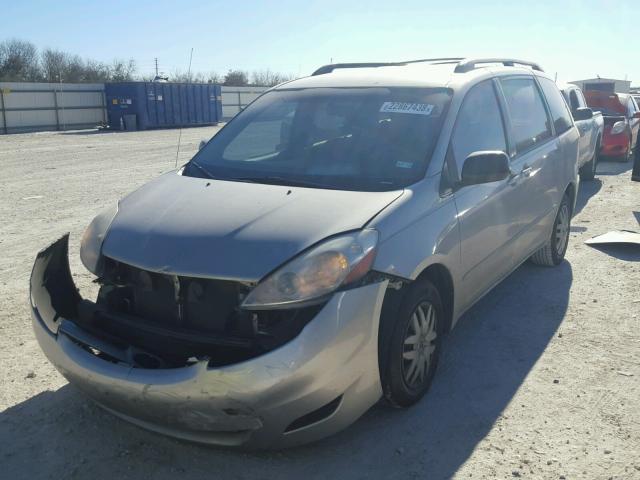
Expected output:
(526, 171)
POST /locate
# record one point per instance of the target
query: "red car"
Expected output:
(621, 122)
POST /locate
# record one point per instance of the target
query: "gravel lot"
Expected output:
(540, 380)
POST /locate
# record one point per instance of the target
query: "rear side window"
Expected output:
(479, 125)
(631, 107)
(559, 109)
(529, 122)
(573, 98)
(582, 102)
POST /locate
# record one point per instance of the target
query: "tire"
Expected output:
(410, 344)
(554, 250)
(630, 153)
(588, 170)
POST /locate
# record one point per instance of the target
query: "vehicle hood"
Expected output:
(230, 230)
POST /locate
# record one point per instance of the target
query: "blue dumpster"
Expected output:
(145, 105)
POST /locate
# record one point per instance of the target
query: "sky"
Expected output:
(574, 39)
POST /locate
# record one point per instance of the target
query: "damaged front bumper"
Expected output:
(314, 385)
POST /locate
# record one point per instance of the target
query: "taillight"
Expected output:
(619, 127)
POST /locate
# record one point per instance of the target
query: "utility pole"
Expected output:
(156, 59)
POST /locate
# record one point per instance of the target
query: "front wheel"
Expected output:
(554, 250)
(413, 344)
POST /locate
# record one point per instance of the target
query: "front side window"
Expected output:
(479, 124)
(529, 122)
(373, 139)
(559, 110)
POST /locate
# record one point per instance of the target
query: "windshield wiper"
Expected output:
(276, 180)
(202, 169)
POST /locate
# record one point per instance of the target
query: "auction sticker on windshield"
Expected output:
(404, 107)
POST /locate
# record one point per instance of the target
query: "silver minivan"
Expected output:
(309, 259)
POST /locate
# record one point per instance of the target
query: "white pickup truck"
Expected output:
(590, 125)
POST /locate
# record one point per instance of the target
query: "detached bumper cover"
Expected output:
(252, 403)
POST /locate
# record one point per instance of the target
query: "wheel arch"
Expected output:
(436, 273)
(572, 191)
(441, 278)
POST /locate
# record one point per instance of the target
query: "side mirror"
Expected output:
(636, 115)
(583, 113)
(485, 167)
(201, 144)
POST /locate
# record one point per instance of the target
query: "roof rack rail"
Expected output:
(334, 66)
(469, 64)
(463, 65)
(435, 60)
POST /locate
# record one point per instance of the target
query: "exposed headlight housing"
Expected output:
(91, 243)
(316, 273)
(619, 127)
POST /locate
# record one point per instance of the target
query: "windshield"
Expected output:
(338, 138)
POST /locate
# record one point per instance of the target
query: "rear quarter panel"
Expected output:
(567, 169)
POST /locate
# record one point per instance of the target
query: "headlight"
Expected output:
(308, 278)
(618, 127)
(91, 243)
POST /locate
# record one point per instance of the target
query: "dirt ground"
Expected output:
(541, 379)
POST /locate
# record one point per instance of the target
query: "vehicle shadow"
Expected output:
(105, 131)
(585, 192)
(612, 167)
(485, 360)
(93, 131)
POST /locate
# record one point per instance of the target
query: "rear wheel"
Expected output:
(412, 347)
(554, 250)
(588, 170)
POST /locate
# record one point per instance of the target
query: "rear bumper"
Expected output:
(331, 366)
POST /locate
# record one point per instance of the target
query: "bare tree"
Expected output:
(18, 61)
(74, 69)
(59, 66)
(122, 70)
(267, 78)
(197, 77)
(236, 78)
(185, 77)
(95, 71)
(213, 77)
(52, 62)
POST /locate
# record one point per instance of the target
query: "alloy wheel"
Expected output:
(562, 229)
(419, 345)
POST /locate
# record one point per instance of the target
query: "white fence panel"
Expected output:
(235, 99)
(27, 107)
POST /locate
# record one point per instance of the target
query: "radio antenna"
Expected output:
(188, 82)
